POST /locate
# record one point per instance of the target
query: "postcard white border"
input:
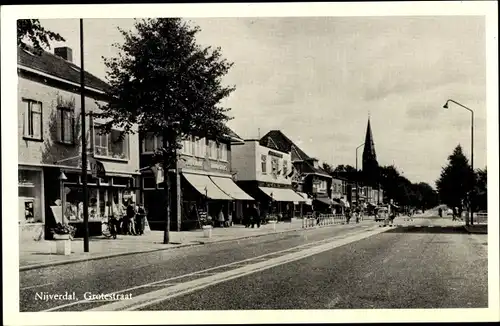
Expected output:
(9, 14)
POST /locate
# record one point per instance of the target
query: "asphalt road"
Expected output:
(429, 267)
(121, 273)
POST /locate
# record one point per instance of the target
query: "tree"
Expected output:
(481, 190)
(31, 31)
(347, 171)
(168, 85)
(455, 181)
(328, 168)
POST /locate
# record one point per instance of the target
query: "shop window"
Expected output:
(102, 203)
(30, 196)
(65, 125)
(32, 119)
(120, 181)
(263, 163)
(111, 145)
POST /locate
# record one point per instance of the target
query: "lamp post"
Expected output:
(62, 178)
(471, 192)
(357, 191)
(84, 148)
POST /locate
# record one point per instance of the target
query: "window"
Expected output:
(285, 168)
(152, 143)
(213, 149)
(30, 196)
(199, 147)
(263, 163)
(148, 183)
(188, 145)
(65, 125)
(222, 152)
(274, 166)
(32, 119)
(112, 145)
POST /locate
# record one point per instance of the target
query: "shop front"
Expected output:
(107, 194)
(31, 203)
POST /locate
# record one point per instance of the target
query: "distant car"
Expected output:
(449, 211)
(381, 213)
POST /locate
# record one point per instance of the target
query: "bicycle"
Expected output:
(108, 231)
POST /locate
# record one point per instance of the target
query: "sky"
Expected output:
(318, 79)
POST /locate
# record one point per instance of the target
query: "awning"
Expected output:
(282, 194)
(323, 200)
(205, 186)
(308, 201)
(344, 202)
(337, 202)
(228, 186)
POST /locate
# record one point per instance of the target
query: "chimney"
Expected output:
(64, 52)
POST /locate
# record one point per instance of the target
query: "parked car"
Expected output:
(381, 213)
(449, 211)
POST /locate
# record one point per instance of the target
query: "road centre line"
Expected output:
(161, 295)
(245, 261)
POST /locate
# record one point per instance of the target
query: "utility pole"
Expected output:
(84, 148)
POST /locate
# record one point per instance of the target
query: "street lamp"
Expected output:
(357, 191)
(471, 153)
(62, 178)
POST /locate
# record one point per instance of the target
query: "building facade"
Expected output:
(49, 148)
(309, 177)
(202, 182)
(265, 173)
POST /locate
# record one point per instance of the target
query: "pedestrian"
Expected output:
(440, 212)
(347, 215)
(255, 216)
(221, 218)
(112, 221)
(131, 212)
(139, 219)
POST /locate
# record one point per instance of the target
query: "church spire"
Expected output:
(370, 164)
(369, 148)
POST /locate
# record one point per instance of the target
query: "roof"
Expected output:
(285, 144)
(231, 133)
(56, 66)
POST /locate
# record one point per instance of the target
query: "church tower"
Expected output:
(370, 164)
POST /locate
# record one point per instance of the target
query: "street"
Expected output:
(344, 267)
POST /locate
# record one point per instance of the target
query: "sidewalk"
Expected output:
(37, 254)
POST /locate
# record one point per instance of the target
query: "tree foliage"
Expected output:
(481, 190)
(166, 83)
(327, 167)
(455, 181)
(31, 31)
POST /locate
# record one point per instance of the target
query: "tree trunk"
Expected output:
(166, 176)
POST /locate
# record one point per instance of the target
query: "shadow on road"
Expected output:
(429, 229)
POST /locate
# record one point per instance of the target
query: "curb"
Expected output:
(468, 230)
(199, 243)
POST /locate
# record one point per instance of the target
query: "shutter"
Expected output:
(73, 124)
(59, 124)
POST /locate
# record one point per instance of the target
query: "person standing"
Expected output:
(255, 216)
(131, 212)
(221, 218)
(139, 218)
